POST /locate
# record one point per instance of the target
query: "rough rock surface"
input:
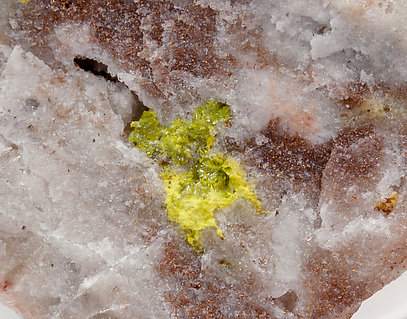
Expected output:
(318, 99)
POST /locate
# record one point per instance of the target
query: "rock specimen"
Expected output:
(315, 128)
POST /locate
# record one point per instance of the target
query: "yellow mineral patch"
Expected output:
(376, 107)
(388, 205)
(381, 108)
(213, 183)
(198, 181)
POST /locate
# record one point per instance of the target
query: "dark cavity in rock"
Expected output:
(95, 67)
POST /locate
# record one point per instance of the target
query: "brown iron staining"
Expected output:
(355, 94)
(356, 154)
(249, 42)
(292, 158)
(132, 32)
(331, 286)
(387, 205)
(6, 285)
(203, 295)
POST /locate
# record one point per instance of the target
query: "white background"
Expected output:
(6, 313)
(389, 303)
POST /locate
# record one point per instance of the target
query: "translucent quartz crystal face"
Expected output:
(310, 126)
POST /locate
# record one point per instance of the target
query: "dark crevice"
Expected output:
(323, 29)
(138, 108)
(95, 67)
(100, 69)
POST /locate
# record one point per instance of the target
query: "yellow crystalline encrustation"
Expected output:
(197, 181)
(213, 183)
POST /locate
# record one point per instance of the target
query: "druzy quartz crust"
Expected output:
(201, 158)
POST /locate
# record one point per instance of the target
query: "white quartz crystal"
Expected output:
(69, 194)
(318, 99)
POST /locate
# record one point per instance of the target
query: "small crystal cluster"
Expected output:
(202, 181)
(314, 133)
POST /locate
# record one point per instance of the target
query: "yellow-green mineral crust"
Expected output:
(198, 181)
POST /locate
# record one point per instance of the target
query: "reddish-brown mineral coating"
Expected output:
(185, 270)
(336, 289)
(291, 157)
(188, 49)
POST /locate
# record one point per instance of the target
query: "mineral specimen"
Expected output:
(93, 227)
(210, 181)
